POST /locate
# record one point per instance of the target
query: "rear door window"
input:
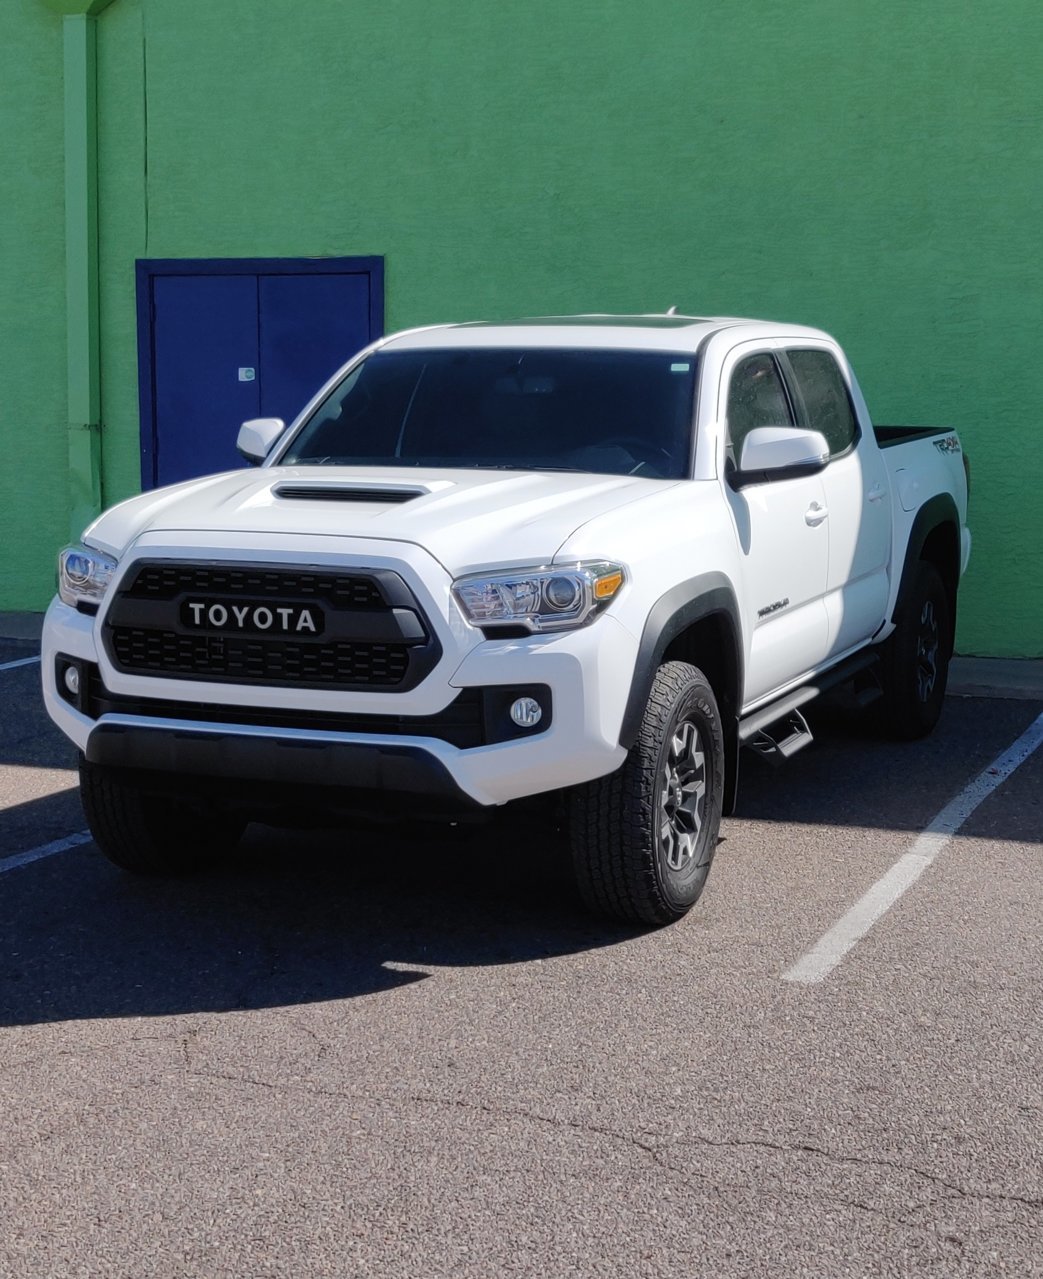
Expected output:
(823, 401)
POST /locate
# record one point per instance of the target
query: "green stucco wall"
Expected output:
(875, 170)
(34, 492)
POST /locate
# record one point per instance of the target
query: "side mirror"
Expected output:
(780, 452)
(257, 436)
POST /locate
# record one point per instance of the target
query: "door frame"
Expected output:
(147, 270)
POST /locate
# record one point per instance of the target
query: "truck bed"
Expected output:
(887, 436)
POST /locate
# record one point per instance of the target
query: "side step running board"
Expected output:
(787, 736)
(780, 730)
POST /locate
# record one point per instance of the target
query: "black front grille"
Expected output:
(277, 661)
(371, 634)
(167, 581)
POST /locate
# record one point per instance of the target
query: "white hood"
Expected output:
(466, 519)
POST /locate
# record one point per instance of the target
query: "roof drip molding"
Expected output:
(69, 8)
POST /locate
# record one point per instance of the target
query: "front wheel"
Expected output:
(916, 662)
(153, 834)
(643, 838)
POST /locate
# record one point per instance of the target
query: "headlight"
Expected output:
(539, 599)
(84, 575)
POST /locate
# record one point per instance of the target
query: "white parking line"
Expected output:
(831, 948)
(22, 661)
(45, 850)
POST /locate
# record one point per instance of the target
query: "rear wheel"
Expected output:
(916, 663)
(153, 834)
(643, 838)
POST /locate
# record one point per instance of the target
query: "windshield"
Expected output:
(607, 412)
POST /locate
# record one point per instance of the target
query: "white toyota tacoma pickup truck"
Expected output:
(590, 556)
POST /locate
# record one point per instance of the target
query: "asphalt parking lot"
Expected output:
(390, 1054)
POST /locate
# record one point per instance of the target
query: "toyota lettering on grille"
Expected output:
(252, 618)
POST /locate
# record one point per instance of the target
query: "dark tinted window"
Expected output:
(609, 412)
(756, 397)
(827, 406)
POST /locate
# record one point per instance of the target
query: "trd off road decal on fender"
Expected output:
(949, 444)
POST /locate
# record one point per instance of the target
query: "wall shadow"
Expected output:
(27, 736)
(38, 821)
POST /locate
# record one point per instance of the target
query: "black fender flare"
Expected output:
(936, 512)
(707, 595)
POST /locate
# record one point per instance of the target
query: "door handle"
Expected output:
(815, 514)
(876, 493)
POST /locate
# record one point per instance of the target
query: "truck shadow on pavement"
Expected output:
(854, 775)
(291, 919)
(297, 918)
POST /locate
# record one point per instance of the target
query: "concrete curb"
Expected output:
(1006, 677)
(21, 626)
(1013, 677)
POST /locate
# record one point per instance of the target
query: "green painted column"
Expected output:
(81, 256)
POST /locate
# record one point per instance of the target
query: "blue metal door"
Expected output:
(309, 325)
(205, 336)
(223, 341)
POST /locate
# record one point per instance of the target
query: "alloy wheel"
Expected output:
(927, 652)
(682, 801)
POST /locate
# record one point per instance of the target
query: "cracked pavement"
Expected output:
(409, 1054)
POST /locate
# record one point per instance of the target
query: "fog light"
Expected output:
(526, 712)
(72, 680)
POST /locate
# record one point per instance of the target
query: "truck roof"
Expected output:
(630, 332)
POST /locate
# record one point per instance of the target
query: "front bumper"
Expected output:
(586, 673)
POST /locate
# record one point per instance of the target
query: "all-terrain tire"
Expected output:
(916, 659)
(153, 834)
(644, 837)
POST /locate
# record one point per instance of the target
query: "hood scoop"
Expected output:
(386, 494)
